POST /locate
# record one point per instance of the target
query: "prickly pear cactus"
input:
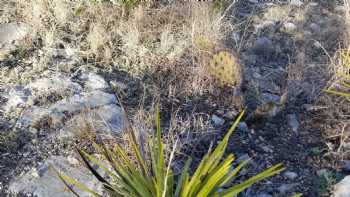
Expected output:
(225, 67)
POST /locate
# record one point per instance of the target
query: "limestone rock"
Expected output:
(43, 181)
(342, 189)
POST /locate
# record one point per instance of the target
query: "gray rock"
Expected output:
(58, 84)
(72, 100)
(267, 97)
(293, 122)
(290, 175)
(13, 32)
(315, 28)
(217, 121)
(342, 189)
(242, 126)
(70, 106)
(263, 45)
(93, 81)
(43, 181)
(283, 189)
(17, 98)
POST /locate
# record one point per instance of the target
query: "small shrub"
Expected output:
(153, 177)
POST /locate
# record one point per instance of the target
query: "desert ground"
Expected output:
(76, 73)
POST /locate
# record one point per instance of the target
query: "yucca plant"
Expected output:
(153, 177)
(341, 86)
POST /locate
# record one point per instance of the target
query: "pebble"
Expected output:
(289, 27)
(290, 175)
(315, 28)
(242, 126)
(217, 121)
(293, 122)
(283, 189)
(263, 45)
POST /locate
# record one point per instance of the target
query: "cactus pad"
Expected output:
(225, 68)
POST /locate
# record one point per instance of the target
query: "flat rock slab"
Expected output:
(342, 189)
(11, 32)
(43, 180)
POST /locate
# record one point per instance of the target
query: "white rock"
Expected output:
(58, 84)
(342, 189)
(290, 175)
(289, 27)
(217, 121)
(47, 183)
(296, 2)
(17, 97)
(93, 81)
(12, 32)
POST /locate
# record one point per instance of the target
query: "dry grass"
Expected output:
(149, 38)
(336, 114)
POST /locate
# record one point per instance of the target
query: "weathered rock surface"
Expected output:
(43, 180)
(56, 107)
(58, 99)
(11, 34)
(342, 189)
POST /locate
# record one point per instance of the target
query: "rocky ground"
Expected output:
(285, 50)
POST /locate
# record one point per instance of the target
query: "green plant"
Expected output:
(150, 176)
(341, 87)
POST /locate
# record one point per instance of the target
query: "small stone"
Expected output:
(93, 81)
(315, 28)
(242, 126)
(290, 175)
(267, 149)
(283, 189)
(342, 189)
(217, 121)
(289, 27)
(263, 45)
(293, 122)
